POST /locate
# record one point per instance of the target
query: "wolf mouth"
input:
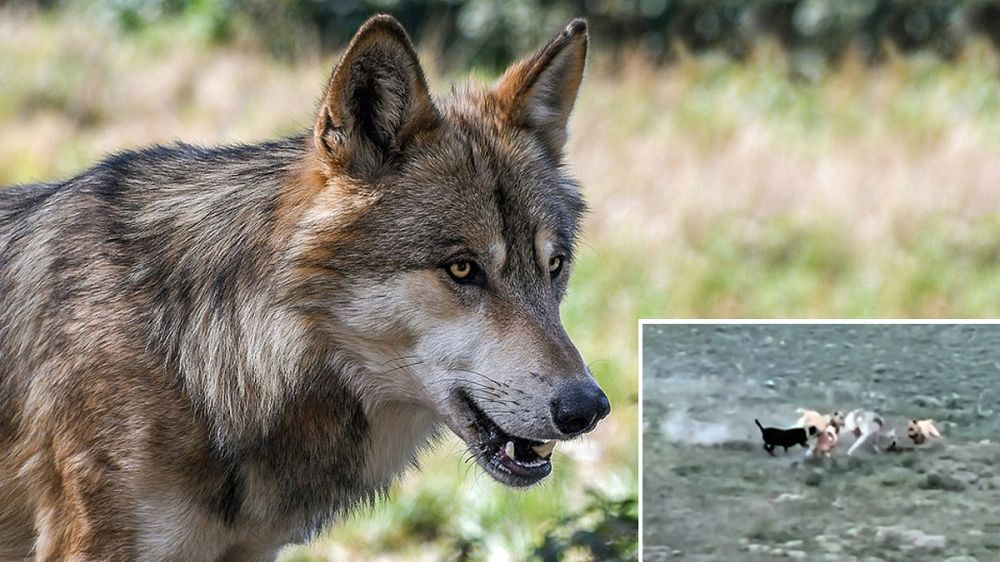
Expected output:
(515, 461)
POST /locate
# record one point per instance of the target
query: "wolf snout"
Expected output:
(579, 407)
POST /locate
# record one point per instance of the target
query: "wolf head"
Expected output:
(441, 241)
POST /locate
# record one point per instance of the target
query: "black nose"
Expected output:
(579, 407)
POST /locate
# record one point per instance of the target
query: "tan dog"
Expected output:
(919, 431)
(812, 417)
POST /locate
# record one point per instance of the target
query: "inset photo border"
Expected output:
(819, 440)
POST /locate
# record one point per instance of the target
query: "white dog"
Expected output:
(870, 430)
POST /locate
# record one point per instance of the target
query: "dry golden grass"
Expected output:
(870, 192)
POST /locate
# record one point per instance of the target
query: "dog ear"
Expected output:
(377, 101)
(538, 92)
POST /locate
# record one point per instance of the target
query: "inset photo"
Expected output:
(820, 441)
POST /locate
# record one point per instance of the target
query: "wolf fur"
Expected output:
(207, 353)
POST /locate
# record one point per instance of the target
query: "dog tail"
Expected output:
(757, 421)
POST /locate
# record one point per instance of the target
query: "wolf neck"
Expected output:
(246, 354)
(217, 291)
(398, 433)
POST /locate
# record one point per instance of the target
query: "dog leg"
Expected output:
(864, 441)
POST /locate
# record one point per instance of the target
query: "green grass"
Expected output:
(784, 267)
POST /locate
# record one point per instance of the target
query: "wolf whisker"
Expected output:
(407, 366)
(596, 361)
(459, 379)
(400, 358)
(494, 381)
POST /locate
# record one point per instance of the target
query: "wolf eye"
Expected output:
(464, 272)
(460, 270)
(555, 265)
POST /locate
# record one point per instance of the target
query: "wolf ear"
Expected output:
(538, 92)
(377, 100)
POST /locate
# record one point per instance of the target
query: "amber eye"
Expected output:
(460, 270)
(555, 265)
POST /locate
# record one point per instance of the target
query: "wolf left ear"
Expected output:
(538, 92)
(377, 100)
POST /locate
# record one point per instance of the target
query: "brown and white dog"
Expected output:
(826, 441)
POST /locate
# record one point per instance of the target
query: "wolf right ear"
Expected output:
(538, 92)
(377, 101)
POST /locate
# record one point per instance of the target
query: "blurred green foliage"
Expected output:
(606, 530)
(490, 33)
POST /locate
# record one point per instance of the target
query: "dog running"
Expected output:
(785, 438)
(865, 432)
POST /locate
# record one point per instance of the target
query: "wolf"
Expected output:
(208, 353)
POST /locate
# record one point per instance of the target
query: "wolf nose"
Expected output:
(579, 407)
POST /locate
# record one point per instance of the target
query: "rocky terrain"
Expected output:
(711, 492)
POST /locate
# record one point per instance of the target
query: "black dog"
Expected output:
(777, 437)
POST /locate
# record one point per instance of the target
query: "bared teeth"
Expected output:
(509, 449)
(545, 449)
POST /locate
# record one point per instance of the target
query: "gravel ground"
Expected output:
(710, 492)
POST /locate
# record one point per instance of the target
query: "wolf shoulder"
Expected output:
(128, 177)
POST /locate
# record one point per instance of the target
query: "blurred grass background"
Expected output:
(742, 158)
